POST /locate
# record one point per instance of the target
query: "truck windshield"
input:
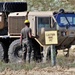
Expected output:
(66, 19)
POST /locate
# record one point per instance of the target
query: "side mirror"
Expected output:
(61, 11)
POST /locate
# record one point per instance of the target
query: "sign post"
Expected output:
(51, 39)
(53, 55)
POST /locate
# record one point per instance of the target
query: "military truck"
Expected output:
(40, 22)
(12, 21)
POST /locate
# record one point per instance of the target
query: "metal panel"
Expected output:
(15, 24)
(32, 24)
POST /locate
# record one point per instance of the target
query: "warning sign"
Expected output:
(51, 37)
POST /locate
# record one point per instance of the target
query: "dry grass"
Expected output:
(64, 62)
(64, 66)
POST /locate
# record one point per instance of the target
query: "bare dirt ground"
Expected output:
(56, 70)
(45, 71)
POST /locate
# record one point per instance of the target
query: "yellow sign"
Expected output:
(51, 37)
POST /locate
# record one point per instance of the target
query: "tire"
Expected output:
(15, 52)
(1, 51)
(13, 6)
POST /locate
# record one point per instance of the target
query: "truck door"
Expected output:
(43, 24)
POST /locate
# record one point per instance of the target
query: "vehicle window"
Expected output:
(43, 22)
(66, 19)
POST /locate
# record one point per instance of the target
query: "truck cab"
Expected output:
(62, 21)
(40, 22)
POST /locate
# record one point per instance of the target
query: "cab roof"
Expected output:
(41, 13)
(38, 13)
(18, 14)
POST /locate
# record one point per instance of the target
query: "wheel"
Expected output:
(15, 52)
(13, 6)
(1, 51)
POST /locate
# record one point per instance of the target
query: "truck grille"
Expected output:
(15, 24)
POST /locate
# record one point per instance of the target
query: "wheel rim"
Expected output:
(17, 51)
